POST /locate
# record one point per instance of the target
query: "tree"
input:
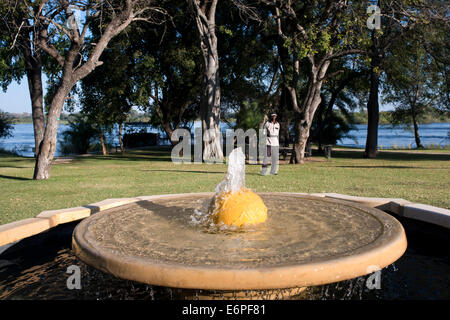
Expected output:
(414, 84)
(308, 36)
(204, 12)
(77, 55)
(20, 55)
(105, 95)
(399, 18)
(342, 92)
(167, 72)
(249, 68)
(6, 127)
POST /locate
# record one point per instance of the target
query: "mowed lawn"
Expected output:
(423, 178)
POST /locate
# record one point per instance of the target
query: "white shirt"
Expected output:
(272, 130)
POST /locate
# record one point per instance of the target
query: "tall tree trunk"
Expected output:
(34, 77)
(373, 108)
(210, 99)
(122, 149)
(416, 128)
(210, 110)
(301, 139)
(102, 142)
(33, 67)
(283, 115)
(373, 115)
(305, 114)
(303, 122)
(167, 127)
(48, 144)
(323, 114)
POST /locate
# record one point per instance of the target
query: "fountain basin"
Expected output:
(306, 241)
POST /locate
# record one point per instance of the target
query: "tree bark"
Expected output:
(304, 115)
(373, 115)
(210, 99)
(33, 67)
(416, 128)
(122, 149)
(102, 142)
(48, 144)
(373, 108)
(303, 122)
(168, 130)
(210, 109)
(34, 77)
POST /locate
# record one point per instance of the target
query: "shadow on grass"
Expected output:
(163, 154)
(16, 162)
(390, 167)
(13, 167)
(187, 171)
(14, 178)
(394, 156)
(141, 156)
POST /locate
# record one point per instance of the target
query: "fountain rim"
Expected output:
(390, 246)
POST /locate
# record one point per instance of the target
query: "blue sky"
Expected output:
(16, 99)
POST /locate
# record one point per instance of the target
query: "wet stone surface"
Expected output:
(295, 232)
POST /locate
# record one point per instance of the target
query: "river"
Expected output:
(22, 140)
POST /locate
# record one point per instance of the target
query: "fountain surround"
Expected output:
(306, 241)
(268, 241)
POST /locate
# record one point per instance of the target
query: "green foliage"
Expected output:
(248, 62)
(249, 116)
(361, 117)
(414, 83)
(6, 127)
(12, 66)
(334, 128)
(166, 73)
(77, 138)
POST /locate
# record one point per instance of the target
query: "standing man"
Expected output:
(272, 130)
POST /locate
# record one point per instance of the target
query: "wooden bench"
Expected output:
(285, 151)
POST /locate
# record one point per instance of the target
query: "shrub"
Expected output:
(6, 126)
(77, 138)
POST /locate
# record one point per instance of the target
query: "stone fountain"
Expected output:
(178, 241)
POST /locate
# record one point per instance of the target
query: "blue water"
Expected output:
(389, 137)
(22, 140)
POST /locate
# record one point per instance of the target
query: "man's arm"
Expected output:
(265, 131)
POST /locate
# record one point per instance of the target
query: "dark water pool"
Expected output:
(35, 268)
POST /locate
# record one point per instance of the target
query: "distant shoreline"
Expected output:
(359, 118)
(16, 121)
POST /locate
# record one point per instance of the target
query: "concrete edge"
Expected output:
(21, 229)
(427, 213)
(18, 230)
(393, 205)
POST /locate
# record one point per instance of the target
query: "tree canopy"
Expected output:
(312, 62)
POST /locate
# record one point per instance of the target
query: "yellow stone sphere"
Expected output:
(239, 208)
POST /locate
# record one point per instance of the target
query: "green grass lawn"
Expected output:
(423, 178)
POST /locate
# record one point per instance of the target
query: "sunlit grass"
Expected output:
(423, 178)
